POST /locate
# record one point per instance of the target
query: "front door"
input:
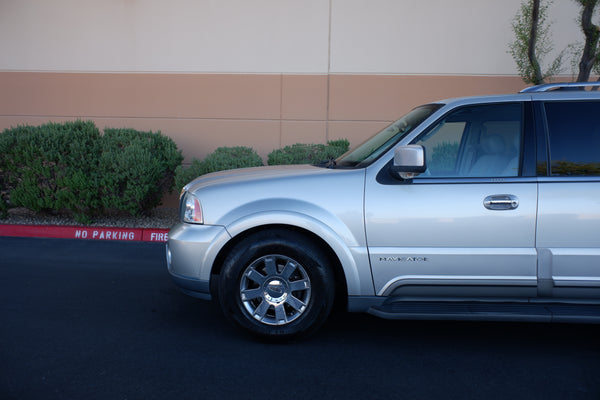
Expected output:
(466, 227)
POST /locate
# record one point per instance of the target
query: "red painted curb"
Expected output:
(86, 233)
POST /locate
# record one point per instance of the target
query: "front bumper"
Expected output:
(191, 252)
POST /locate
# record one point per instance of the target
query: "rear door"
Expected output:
(466, 227)
(568, 231)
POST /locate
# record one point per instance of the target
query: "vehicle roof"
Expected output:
(554, 91)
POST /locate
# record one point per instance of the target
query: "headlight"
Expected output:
(192, 211)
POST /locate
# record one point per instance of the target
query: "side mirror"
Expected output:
(409, 161)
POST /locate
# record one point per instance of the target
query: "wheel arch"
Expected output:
(341, 281)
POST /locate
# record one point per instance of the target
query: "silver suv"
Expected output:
(480, 208)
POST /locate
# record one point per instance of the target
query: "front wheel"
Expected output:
(277, 284)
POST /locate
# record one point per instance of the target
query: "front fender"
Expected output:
(350, 250)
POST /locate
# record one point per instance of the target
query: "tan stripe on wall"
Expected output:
(204, 111)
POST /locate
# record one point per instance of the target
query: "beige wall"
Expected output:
(261, 73)
(268, 36)
(204, 111)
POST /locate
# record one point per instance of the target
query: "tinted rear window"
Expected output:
(574, 129)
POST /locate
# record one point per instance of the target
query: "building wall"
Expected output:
(260, 73)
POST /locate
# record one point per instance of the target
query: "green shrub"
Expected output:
(72, 167)
(185, 175)
(221, 159)
(51, 167)
(136, 169)
(300, 153)
(340, 145)
(232, 157)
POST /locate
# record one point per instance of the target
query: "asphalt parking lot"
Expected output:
(101, 320)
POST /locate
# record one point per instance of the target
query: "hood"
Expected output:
(245, 175)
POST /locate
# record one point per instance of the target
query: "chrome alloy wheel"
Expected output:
(275, 289)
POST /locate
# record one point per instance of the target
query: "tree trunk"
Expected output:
(535, 16)
(592, 33)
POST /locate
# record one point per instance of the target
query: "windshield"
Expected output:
(374, 147)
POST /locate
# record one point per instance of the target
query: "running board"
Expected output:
(492, 311)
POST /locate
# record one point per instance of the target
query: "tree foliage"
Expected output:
(533, 42)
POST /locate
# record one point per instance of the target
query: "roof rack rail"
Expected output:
(552, 86)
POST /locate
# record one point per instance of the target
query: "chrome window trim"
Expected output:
(575, 178)
(526, 179)
(462, 181)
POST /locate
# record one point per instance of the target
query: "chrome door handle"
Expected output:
(501, 202)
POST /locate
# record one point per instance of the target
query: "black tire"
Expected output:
(277, 284)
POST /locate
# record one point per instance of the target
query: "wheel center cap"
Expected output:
(275, 291)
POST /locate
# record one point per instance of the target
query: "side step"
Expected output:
(492, 311)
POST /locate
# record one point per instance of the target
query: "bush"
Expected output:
(300, 153)
(51, 167)
(71, 166)
(137, 168)
(185, 175)
(242, 157)
(221, 159)
(232, 157)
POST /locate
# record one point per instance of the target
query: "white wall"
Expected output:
(433, 36)
(267, 36)
(158, 35)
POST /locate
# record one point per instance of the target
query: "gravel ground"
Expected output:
(160, 218)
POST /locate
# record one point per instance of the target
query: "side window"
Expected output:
(574, 134)
(475, 141)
